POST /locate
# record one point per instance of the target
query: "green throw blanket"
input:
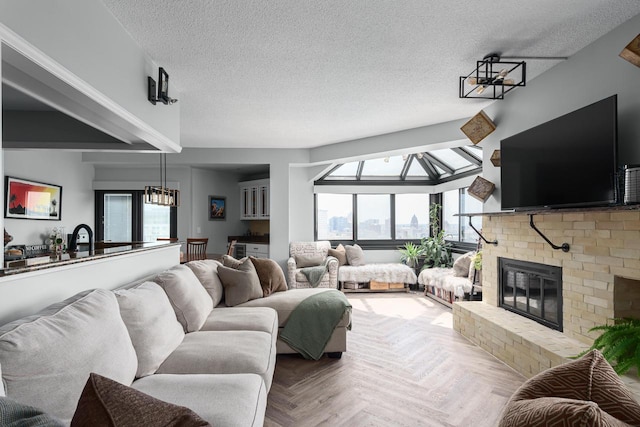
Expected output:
(313, 321)
(314, 274)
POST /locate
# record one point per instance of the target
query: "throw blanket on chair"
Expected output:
(314, 274)
(313, 321)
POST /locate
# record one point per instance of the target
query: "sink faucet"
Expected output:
(73, 242)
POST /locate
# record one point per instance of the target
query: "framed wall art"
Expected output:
(217, 207)
(25, 199)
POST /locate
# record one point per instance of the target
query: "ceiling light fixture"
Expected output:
(163, 89)
(160, 194)
(488, 80)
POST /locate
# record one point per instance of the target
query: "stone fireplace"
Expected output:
(600, 281)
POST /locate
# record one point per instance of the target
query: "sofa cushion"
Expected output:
(590, 378)
(270, 274)
(46, 359)
(462, 263)
(340, 253)
(190, 302)
(105, 402)
(308, 260)
(222, 400)
(207, 272)
(262, 319)
(16, 414)
(224, 352)
(240, 285)
(285, 302)
(151, 323)
(355, 255)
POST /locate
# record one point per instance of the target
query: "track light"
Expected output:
(404, 157)
(386, 160)
(419, 155)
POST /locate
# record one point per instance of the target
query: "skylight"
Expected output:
(427, 168)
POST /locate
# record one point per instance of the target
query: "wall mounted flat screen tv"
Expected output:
(569, 161)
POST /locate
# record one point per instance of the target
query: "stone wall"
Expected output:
(604, 255)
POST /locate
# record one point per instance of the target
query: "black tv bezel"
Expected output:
(616, 201)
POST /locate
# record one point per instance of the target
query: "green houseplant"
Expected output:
(410, 254)
(619, 344)
(436, 250)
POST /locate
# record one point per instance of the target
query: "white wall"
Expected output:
(52, 167)
(83, 37)
(207, 183)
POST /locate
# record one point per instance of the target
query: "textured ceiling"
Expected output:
(295, 74)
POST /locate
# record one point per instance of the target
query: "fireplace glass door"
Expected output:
(532, 290)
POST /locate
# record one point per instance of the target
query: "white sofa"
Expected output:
(450, 284)
(162, 337)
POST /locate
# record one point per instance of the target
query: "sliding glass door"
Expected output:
(122, 216)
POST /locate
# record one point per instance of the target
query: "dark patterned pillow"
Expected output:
(105, 402)
(590, 378)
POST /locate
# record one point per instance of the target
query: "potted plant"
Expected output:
(619, 344)
(410, 254)
(436, 250)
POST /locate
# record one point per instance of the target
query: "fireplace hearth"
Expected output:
(532, 290)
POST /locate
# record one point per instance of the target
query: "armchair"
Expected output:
(309, 254)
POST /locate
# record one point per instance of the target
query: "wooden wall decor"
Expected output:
(632, 51)
(495, 158)
(481, 188)
(478, 127)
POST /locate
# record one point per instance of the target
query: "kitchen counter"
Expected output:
(81, 257)
(249, 239)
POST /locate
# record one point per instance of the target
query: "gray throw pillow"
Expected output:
(355, 255)
(191, 303)
(207, 272)
(310, 260)
(16, 414)
(151, 323)
(240, 285)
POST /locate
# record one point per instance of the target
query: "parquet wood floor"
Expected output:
(405, 366)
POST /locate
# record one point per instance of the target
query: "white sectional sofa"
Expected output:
(168, 336)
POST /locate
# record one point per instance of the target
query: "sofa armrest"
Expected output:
(291, 272)
(332, 267)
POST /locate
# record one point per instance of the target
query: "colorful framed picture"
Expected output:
(217, 207)
(26, 199)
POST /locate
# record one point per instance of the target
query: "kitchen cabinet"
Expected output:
(254, 199)
(258, 250)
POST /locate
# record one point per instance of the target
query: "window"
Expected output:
(450, 208)
(374, 216)
(457, 228)
(334, 216)
(412, 216)
(122, 216)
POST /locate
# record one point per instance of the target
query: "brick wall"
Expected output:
(596, 272)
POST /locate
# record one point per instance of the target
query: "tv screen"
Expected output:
(568, 161)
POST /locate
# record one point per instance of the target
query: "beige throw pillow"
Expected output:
(355, 255)
(191, 303)
(207, 272)
(229, 261)
(461, 264)
(240, 285)
(270, 274)
(311, 260)
(151, 323)
(340, 253)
